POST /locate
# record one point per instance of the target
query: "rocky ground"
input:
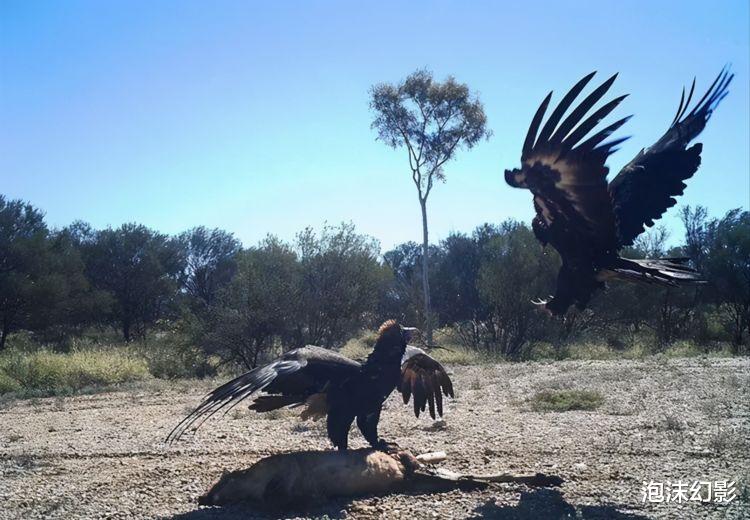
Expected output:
(101, 456)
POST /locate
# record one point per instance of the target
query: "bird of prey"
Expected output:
(332, 385)
(585, 218)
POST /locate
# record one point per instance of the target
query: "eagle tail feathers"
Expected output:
(661, 271)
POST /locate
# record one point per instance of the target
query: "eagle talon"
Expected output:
(391, 448)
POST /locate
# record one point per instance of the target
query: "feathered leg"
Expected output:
(338, 424)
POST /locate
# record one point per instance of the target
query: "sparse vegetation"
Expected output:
(50, 373)
(565, 400)
(201, 302)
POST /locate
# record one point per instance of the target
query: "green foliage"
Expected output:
(200, 300)
(49, 373)
(565, 400)
(512, 275)
(140, 269)
(258, 306)
(341, 280)
(171, 356)
(30, 286)
(432, 121)
(8, 384)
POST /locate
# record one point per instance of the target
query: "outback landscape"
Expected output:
(103, 456)
(323, 209)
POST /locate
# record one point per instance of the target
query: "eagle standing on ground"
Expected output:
(589, 220)
(332, 385)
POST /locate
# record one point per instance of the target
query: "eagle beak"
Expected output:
(410, 333)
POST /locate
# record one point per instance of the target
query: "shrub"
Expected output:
(8, 384)
(170, 357)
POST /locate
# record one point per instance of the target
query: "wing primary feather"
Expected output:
(708, 93)
(690, 97)
(447, 385)
(679, 108)
(601, 135)
(438, 397)
(232, 393)
(564, 104)
(720, 92)
(609, 146)
(406, 385)
(528, 144)
(581, 110)
(593, 120)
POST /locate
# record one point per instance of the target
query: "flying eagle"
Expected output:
(332, 385)
(585, 218)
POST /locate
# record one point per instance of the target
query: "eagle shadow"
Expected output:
(550, 504)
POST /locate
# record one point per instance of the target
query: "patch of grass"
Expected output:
(727, 441)
(587, 350)
(171, 357)
(455, 355)
(743, 488)
(540, 351)
(672, 423)
(356, 348)
(565, 400)
(45, 373)
(274, 415)
(688, 349)
(8, 384)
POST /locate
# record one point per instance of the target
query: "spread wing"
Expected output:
(645, 188)
(565, 170)
(294, 376)
(425, 379)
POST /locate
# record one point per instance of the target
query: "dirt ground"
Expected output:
(102, 456)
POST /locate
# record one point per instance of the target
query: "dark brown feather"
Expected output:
(645, 188)
(266, 403)
(425, 380)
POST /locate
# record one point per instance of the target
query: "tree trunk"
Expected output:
(4, 335)
(425, 274)
(126, 330)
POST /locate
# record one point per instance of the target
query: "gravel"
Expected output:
(102, 456)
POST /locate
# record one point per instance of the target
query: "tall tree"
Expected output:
(341, 283)
(727, 267)
(24, 265)
(140, 268)
(432, 120)
(257, 309)
(210, 262)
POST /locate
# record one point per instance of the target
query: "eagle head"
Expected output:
(392, 333)
(516, 178)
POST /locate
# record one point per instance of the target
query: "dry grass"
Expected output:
(51, 373)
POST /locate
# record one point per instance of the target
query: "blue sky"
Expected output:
(253, 116)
